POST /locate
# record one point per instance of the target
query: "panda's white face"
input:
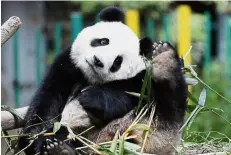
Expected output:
(107, 51)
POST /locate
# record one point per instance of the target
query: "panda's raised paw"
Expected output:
(160, 47)
(53, 146)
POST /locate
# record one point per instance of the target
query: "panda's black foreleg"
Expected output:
(170, 89)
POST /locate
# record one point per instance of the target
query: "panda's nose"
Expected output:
(97, 62)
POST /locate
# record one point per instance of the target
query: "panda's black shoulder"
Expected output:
(111, 14)
(63, 61)
(63, 71)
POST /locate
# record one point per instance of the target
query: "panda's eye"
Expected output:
(99, 42)
(104, 42)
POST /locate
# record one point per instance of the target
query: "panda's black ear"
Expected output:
(146, 47)
(111, 14)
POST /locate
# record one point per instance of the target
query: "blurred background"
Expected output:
(49, 27)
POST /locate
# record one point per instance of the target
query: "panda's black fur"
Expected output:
(107, 106)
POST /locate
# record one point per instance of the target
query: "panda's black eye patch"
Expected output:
(116, 64)
(99, 42)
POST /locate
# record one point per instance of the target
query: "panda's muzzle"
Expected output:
(92, 67)
(97, 62)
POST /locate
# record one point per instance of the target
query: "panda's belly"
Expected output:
(160, 140)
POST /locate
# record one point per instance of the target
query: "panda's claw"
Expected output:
(160, 47)
(160, 42)
(54, 146)
(155, 44)
(45, 153)
(165, 45)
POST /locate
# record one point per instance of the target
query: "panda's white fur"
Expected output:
(126, 46)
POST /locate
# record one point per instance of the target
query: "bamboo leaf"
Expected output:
(192, 98)
(7, 151)
(194, 113)
(114, 142)
(105, 151)
(57, 126)
(143, 127)
(121, 146)
(202, 98)
(195, 75)
(206, 109)
(143, 88)
(191, 81)
(131, 146)
(193, 72)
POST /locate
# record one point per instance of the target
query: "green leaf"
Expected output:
(191, 81)
(57, 126)
(192, 98)
(202, 98)
(194, 113)
(131, 146)
(206, 109)
(121, 146)
(145, 86)
(7, 151)
(192, 71)
(144, 127)
(105, 151)
(114, 142)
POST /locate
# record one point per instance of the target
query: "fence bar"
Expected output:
(227, 32)
(150, 28)
(133, 21)
(207, 54)
(76, 25)
(165, 26)
(38, 56)
(57, 38)
(16, 70)
(184, 35)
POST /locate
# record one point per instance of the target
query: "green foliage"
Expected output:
(153, 7)
(218, 118)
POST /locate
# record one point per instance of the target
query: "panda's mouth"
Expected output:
(92, 67)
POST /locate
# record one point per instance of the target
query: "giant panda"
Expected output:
(86, 86)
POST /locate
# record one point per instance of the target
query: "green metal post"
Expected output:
(207, 48)
(76, 25)
(37, 56)
(57, 38)
(96, 19)
(150, 28)
(165, 25)
(16, 70)
(227, 32)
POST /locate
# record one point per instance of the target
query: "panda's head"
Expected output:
(109, 50)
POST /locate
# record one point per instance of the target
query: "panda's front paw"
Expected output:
(53, 146)
(160, 47)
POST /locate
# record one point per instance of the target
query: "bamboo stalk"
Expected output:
(9, 121)
(9, 28)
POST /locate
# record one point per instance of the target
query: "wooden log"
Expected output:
(9, 121)
(9, 28)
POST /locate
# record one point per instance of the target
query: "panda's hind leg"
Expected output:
(53, 146)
